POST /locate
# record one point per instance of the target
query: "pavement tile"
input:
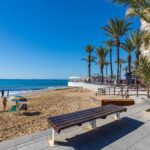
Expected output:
(40, 134)
(28, 147)
(42, 144)
(143, 144)
(23, 139)
(25, 144)
(7, 144)
(130, 139)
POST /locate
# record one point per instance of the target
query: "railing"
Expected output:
(124, 90)
(93, 81)
(113, 89)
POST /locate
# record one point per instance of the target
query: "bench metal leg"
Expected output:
(117, 116)
(52, 139)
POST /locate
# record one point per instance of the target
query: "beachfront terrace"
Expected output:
(137, 92)
(93, 80)
(131, 132)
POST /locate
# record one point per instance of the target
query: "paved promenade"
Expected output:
(131, 132)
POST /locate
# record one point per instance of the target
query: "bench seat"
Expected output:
(77, 118)
(61, 122)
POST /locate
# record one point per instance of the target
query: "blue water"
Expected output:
(24, 85)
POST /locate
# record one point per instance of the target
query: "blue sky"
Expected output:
(45, 38)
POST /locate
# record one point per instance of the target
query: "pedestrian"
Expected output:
(8, 93)
(3, 93)
(4, 103)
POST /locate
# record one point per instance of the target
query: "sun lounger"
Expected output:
(13, 109)
(61, 122)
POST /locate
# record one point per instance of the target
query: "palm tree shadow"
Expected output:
(102, 136)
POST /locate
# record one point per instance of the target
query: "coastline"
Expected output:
(21, 86)
(30, 91)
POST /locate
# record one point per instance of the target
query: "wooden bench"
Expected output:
(119, 102)
(61, 122)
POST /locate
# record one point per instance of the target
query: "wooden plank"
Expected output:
(75, 113)
(82, 121)
(66, 117)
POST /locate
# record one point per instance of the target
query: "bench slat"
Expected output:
(61, 127)
(72, 115)
(82, 111)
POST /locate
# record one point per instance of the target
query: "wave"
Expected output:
(25, 91)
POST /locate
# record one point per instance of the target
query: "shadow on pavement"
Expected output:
(102, 136)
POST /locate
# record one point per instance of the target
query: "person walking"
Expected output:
(8, 93)
(4, 103)
(3, 93)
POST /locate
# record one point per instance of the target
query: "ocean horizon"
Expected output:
(17, 86)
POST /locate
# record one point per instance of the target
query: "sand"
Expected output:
(41, 105)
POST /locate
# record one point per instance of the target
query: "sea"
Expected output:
(20, 86)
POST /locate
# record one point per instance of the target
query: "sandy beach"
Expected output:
(41, 105)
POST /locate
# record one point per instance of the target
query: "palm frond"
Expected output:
(143, 71)
(140, 8)
(89, 48)
(116, 28)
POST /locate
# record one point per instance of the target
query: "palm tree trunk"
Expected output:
(148, 92)
(106, 72)
(118, 57)
(89, 68)
(120, 70)
(137, 58)
(129, 62)
(102, 76)
(101, 68)
(111, 68)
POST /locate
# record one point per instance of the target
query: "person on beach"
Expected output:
(2, 93)
(4, 103)
(8, 93)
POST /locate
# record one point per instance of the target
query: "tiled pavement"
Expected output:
(131, 132)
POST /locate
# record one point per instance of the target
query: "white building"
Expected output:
(145, 26)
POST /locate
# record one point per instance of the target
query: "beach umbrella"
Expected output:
(17, 98)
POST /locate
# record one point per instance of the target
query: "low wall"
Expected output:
(92, 87)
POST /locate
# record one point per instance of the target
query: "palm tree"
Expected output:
(140, 8)
(139, 38)
(121, 62)
(116, 28)
(143, 71)
(101, 53)
(126, 69)
(106, 63)
(110, 44)
(128, 47)
(89, 49)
